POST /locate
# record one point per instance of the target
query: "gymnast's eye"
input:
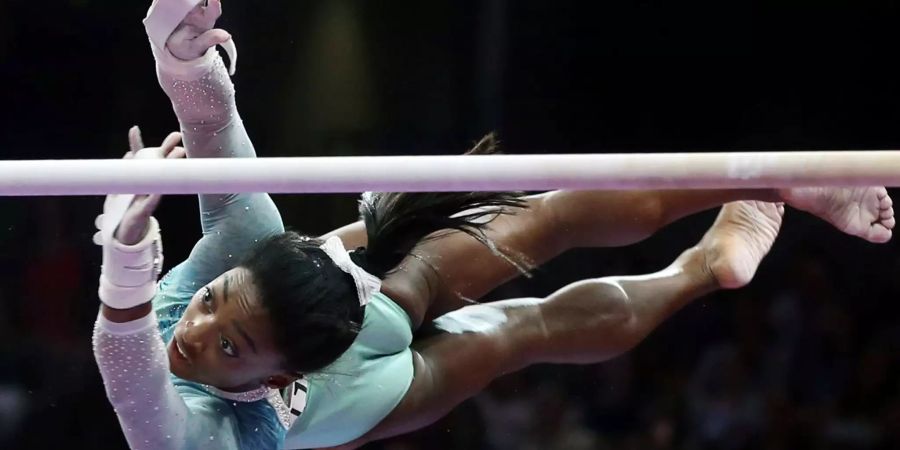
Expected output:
(207, 297)
(228, 348)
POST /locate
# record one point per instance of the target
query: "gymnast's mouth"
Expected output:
(177, 350)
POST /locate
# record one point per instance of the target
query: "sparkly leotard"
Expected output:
(160, 411)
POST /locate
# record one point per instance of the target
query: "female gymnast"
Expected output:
(264, 339)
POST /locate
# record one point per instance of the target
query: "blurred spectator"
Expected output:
(52, 292)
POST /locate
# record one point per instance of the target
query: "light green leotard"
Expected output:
(350, 397)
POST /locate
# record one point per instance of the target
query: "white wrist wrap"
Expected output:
(129, 273)
(163, 19)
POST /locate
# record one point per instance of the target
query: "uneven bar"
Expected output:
(451, 173)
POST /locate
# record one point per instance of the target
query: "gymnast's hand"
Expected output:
(134, 223)
(196, 35)
(132, 246)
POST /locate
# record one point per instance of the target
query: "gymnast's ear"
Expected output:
(280, 381)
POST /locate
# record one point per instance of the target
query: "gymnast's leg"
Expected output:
(586, 322)
(456, 269)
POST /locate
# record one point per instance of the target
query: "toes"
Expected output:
(879, 234)
(886, 201)
(888, 223)
(886, 213)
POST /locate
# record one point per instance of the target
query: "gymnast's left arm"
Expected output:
(194, 77)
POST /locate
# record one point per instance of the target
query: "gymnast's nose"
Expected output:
(195, 332)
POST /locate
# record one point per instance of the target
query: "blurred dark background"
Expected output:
(808, 357)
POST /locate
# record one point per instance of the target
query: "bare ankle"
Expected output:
(695, 261)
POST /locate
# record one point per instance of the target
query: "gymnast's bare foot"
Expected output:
(865, 212)
(739, 239)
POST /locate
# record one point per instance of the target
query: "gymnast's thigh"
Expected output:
(448, 273)
(451, 272)
(452, 366)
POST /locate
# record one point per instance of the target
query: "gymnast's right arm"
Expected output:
(128, 347)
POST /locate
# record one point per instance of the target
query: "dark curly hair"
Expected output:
(305, 293)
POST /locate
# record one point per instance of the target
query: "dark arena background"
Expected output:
(807, 357)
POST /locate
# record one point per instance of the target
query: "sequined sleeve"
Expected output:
(134, 365)
(203, 97)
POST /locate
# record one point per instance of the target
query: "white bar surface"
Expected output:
(450, 173)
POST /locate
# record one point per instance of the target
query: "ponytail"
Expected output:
(397, 222)
(313, 305)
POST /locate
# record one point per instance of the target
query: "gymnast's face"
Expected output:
(223, 338)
